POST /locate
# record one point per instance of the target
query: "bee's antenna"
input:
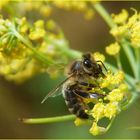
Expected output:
(102, 64)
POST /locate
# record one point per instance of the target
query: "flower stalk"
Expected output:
(104, 14)
(118, 61)
(130, 58)
(137, 55)
(48, 120)
(36, 53)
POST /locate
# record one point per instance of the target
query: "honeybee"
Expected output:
(76, 87)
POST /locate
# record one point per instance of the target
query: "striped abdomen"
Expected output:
(75, 106)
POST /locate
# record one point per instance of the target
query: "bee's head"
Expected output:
(90, 66)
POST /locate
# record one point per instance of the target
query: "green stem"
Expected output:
(64, 49)
(118, 61)
(72, 53)
(131, 101)
(104, 14)
(134, 128)
(137, 55)
(48, 120)
(28, 44)
(139, 64)
(130, 57)
(110, 124)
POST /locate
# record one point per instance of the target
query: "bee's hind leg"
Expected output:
(87, 84)
(85, 94)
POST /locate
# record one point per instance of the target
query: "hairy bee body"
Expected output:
(73, 102)
(77, 86)
(73, 89)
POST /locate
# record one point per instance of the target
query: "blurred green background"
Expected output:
(19, 101)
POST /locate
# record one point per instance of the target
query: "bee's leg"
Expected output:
(87, 84)
(102, 64)
(100, 71)
(84, 94)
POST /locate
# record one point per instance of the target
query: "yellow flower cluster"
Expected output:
(45, 8)
(128, 27)
(120, 18)
(98, 111)
(20, 61)
(79, 121)
(114, 92)
(82, 6)
(97, 130)
(98, 56)
(112, 79)
(113, 49)
(42, 7)
(38, 31)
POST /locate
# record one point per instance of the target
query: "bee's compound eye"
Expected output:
(87, 63)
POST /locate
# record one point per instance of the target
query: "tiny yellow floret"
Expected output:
(111, 110)
(121, 17)
(98, 111)
(96, 130)
(79, 121)
(39, 24)
(113, 49)
(115, 95)
(118, 77)
(99, 56)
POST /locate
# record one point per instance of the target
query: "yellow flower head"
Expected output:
(123, 87)
(118, 77)
(111, 110)
(38, 31)
(113, 49)
(120, 18)
(79, 121)
(39, 24)
(98, 111)
(107, 80)
(81, 6)
(135, 40)
(18, 61)
(96, 130)
(120, 31)
(98, 56)
(133, 19)
(45, 10)
(37, 34)
(115, 95)
(24, 25)
(130, 30)
(112, 79)
(51, 25)
(135, 34)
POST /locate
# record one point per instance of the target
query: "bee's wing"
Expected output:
(57, 93)
(53, 93)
